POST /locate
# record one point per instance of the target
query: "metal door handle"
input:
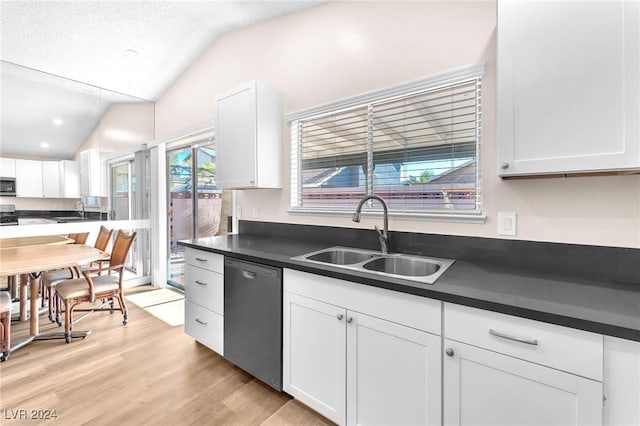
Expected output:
(199, 259)
(199, 321)
(349, 320)
(248, 274)
(201, 283)
(339, 316)
(524, 340)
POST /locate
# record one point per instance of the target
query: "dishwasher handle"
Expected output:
(249, 275)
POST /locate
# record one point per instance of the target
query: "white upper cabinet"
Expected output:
(249, 137)
(568, 87)
(7, 167)
(69, 178)
(29, 178)
(51, 179)
(92, 180)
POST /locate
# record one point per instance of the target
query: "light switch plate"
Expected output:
(506, 223)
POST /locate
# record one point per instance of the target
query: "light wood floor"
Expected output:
(146, 372)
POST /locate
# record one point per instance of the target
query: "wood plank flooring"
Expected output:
(146, 372)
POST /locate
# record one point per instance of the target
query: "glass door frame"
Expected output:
(193, 147)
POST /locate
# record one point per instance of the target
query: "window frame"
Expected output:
(447, 78)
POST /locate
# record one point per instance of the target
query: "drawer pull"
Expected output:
(199, 259)
(201, 283)
(199, 321)
(533, 342)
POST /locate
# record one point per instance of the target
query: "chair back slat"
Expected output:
(102, 241)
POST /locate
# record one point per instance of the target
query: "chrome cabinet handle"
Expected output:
(339, 316)
(201, 283)
(524, 340)
(449, 352)
(199, 259)
(349, 320)
(199, 321)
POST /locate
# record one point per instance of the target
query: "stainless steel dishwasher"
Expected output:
(253, 319)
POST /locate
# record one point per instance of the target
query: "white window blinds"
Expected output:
(417, 149)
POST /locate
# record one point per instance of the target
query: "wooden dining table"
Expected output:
(36, 259)
(21, 280)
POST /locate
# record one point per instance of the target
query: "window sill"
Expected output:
(431, 216)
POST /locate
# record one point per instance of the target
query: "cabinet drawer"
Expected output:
(205, 326)
(206, 288)
(204, 259)
(563, 348)
(414, 311)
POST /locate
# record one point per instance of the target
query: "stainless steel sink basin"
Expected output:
(340, 256)
(409, 267)
(396, 265)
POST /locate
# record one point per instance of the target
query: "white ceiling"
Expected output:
(87, 41)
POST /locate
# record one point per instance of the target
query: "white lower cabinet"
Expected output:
(204, 298)
(621, 382)
(314, 355)
(503, 370)
(361, 355)
(392, 373)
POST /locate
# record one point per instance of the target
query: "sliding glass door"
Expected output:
(195, 204)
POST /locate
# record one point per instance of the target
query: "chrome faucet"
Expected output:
(80, 203)
(383, 235)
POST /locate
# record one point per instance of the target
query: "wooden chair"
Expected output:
(5, 325)
(80, 238)
(91, 288)
(51, 278)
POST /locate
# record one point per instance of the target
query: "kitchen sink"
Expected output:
(397, 265)
(339, 256)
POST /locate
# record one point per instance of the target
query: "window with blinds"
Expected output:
(418, 149)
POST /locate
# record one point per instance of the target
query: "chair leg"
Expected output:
(52, 308)
(5, 336)
(67, 321)
(123, 308)
(58, 301)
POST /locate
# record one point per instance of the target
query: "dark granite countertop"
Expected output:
(598, 305)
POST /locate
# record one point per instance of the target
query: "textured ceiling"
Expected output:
(87, 41)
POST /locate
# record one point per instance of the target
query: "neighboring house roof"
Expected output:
(462, 174)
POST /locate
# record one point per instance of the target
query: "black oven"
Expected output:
(8, 186)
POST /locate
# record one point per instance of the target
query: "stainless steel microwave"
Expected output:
(7, 186)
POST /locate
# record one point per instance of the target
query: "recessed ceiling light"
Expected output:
(130, 53)
(44, 145)
(57, 121)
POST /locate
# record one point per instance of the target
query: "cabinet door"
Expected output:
(51, 179)
(482, 387)
(70, 178)
(7, 167)
(314, 365)
(621, 382)
(568, 78)
(29, 178)
(236, 138)
(92, 174)
(393, 373)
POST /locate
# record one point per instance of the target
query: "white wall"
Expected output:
(342, 49)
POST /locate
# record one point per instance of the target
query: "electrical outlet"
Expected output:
(256, 212)
(506, 223)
